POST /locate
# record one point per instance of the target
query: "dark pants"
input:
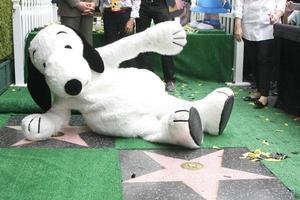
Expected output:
(114, 29)
(259, 59)
(158, 11)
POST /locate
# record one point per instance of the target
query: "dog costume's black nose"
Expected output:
(73, 87)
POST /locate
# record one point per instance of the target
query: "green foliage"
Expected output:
(6, 35)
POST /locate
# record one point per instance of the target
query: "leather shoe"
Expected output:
(249, 98)
(259, 105)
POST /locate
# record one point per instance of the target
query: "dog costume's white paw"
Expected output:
(185, 126)
(167, 38)
(37, 127)
(216, 109)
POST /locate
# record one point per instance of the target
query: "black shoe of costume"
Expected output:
(195, 126)
(259, 105)
(226, 114)
(249, 98)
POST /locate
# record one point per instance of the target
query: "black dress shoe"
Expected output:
(249, 98)
(259, 105)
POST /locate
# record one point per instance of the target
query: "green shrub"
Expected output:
(6, 34)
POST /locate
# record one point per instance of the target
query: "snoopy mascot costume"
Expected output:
(66, 73)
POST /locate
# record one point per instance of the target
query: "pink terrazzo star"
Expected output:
(70, 134)
(202, 174)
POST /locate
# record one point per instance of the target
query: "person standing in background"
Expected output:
(156, 10)
(119, 21)
(78, 15)
(254, 20)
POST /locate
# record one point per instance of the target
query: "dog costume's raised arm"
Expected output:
(167, 38)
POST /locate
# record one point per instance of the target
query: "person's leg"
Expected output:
(144, 21)
(123, 18)
(143, 60)
(250, 61)
(264, 65)
(122, 21)
(110, 26)
(72, 22)
(168, 66)
(86, 28)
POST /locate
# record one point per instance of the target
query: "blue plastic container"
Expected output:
(209, 6)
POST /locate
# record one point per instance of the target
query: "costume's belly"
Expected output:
(113, 124)
(117, 101)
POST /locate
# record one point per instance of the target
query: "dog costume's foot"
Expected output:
(186, 128)
(215, 110)
(226, 98)
(195, 126)
(228, 105)
(37, 127)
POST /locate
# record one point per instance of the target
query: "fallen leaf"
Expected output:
(278, 130)
(259, 155)
(297, 118)
(265, 142)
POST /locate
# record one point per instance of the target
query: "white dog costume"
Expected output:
(114, 101)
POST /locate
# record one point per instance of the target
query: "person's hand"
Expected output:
(274, 18)
(288, 7)
(238, 32)
(82, 6)
(91, 5)
(287, 11)
(180, 4)
(88, 8)
(130, 26)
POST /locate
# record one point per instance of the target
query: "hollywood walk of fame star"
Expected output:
(202, 174)
(70, 134)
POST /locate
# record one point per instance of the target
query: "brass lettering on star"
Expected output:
(192, 165)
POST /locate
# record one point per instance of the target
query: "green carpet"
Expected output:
(17, 100)
(59, 172)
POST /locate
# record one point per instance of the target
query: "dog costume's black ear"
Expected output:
(38, 88)
(91, 55)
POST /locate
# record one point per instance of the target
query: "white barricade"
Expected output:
(28, 15)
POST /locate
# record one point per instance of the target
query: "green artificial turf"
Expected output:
(17, 100)
(268, 129)
(35, 174)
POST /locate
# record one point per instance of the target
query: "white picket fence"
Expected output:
(28, 15)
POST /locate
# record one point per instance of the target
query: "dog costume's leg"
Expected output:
(167, 38)
(182, 127)
(43, 126)
(215, 110)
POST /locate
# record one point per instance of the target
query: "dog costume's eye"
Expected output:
(68, 47)
(44, 64)
(33, 52)
(61, 32)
